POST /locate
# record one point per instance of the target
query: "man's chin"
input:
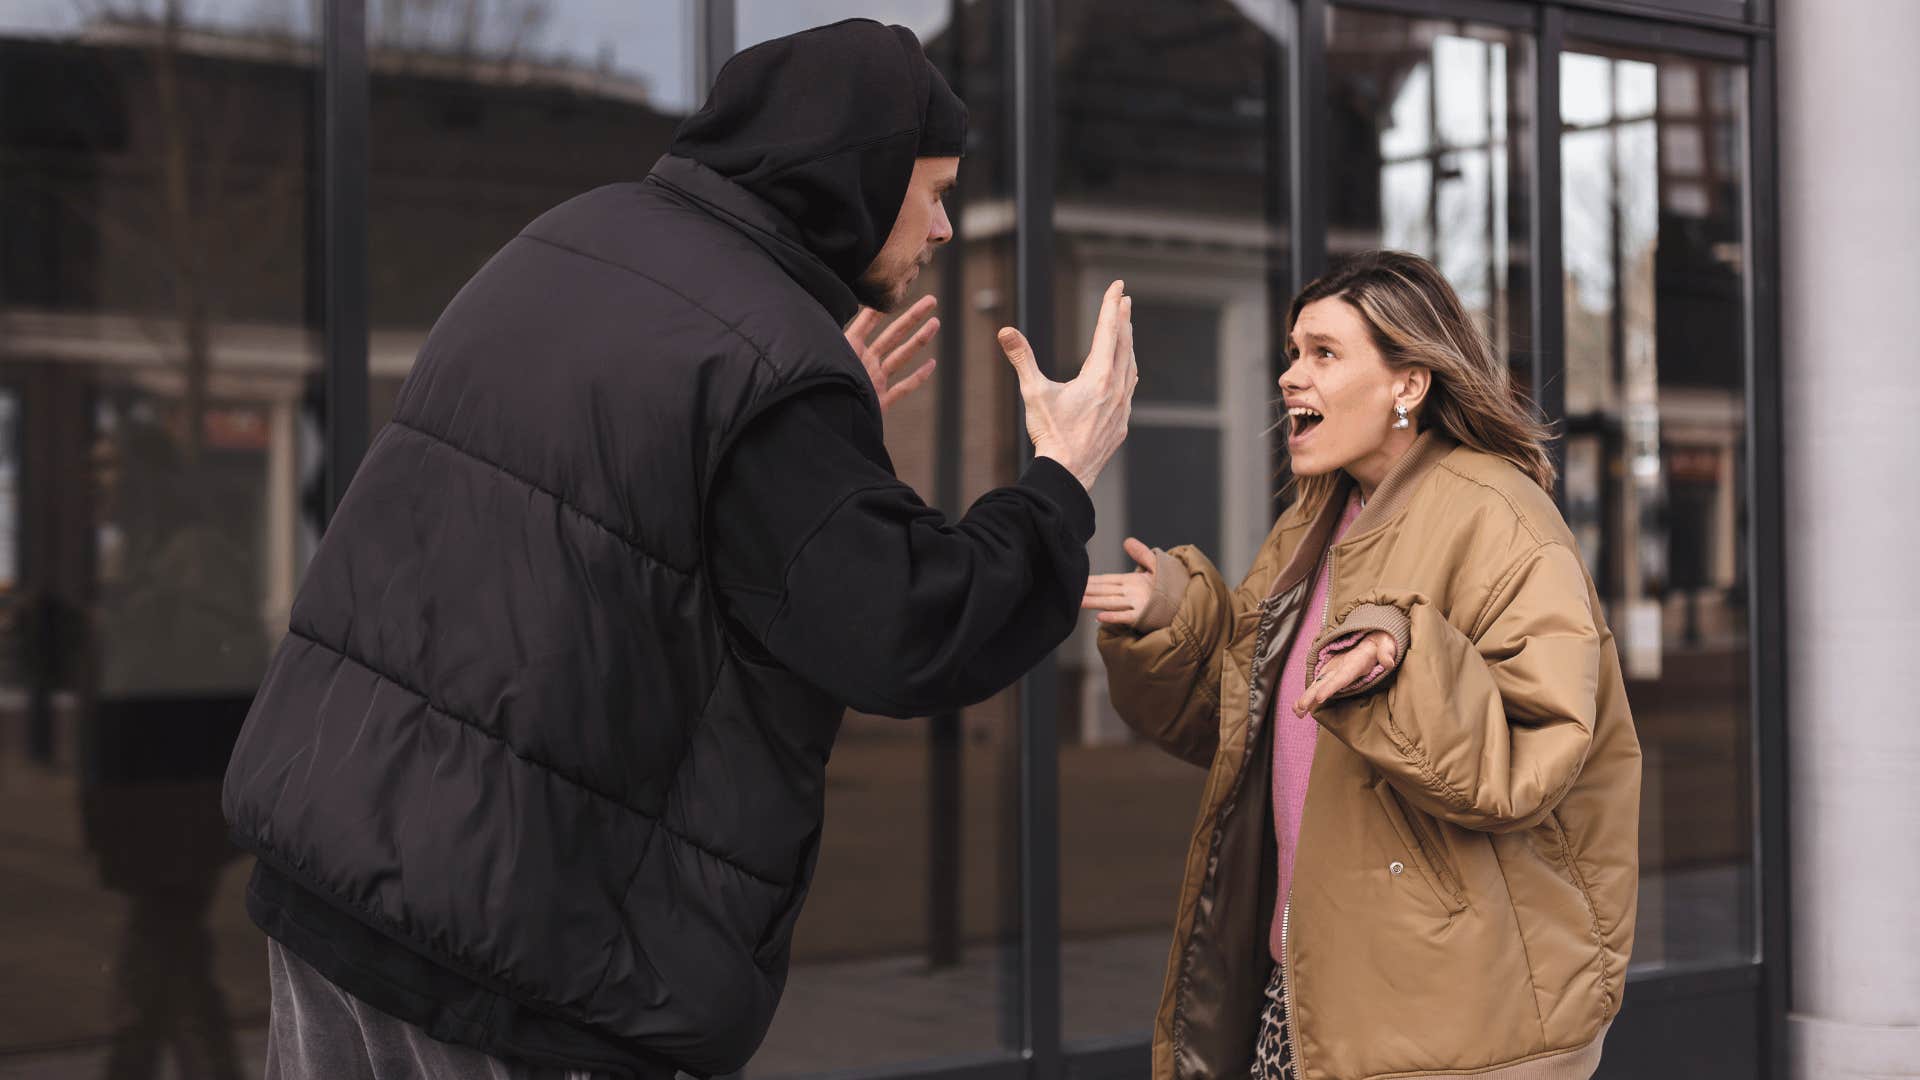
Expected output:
(888, 299)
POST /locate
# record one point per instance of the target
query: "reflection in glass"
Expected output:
(759, 20)
(905, 950)
(486, 115)
(1170, 174)
(1430, 120)
(1655, 461)
(157, 498)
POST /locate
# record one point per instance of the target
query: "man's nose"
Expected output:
(941, 229)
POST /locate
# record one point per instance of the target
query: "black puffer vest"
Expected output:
(507, 777)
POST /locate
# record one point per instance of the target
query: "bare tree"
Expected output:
(191, 204)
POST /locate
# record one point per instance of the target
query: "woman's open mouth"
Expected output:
(1301, 422)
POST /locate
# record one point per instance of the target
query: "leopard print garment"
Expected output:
(1272, 1055)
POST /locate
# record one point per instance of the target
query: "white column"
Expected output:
(1849, 100)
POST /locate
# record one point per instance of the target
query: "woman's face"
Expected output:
(1340, 394)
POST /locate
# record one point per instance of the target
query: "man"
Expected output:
(536, 779)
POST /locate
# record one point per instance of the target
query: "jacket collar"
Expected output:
(1389, 499)
(761, 223)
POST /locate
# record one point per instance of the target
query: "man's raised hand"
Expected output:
(886, 356)
(1082, 423)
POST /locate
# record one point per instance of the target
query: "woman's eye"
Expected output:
(1326, 352)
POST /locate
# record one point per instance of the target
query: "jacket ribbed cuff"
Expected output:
(1361, 621)
(1061, 488)
(1169, 588)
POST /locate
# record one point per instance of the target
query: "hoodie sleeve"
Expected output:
(824, 560)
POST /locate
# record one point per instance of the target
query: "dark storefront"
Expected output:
(226, 225)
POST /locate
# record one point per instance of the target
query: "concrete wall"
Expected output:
(1850, 188)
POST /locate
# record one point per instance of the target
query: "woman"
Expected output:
(1417, 850)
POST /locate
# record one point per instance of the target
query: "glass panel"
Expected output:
(1171, 174)
(158, 473)
(1165, 507)
(1656, 469)
(1430, 121)
(759, 20)
(1178, 348)
(905, 951)
(484, 116)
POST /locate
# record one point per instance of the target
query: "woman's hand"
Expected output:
(1122, 598)
(1342, 670)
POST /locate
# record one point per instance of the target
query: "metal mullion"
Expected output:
(1549, 345)
(1120, 1058)
(1032, 30)
(945, 763)
(1510, 13)
(998, 1066)
(1691, 980)
(1640, 33)
(715, 40)
(1716, 17)
(1766, 540)
(1309, 254)
(343, 183)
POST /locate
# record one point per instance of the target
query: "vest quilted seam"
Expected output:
(658, 821)
(632, 544)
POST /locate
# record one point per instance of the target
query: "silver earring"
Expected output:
(1400, 422)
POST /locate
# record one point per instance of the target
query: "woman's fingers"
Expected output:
(1335, 675)
(1115, 602)
(1142, 554)
(1118, 618)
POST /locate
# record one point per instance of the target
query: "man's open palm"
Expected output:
(1082, 423)
(887, 355)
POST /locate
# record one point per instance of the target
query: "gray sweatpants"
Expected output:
(320, 1032)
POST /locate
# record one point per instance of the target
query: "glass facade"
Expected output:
(164, 417)
(158, 367)
(1429, 138)
(1656, 279)
(914, 921)
(1169, 173)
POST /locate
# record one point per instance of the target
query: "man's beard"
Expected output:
(883, 291)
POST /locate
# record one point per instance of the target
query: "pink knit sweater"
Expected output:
(1293, 736)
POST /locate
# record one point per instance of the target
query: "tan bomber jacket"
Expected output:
(1465, 881)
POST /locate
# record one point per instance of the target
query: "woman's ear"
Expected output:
(1412, 386)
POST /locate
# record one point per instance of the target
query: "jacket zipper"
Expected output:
(1286, 994)
(1286, 909)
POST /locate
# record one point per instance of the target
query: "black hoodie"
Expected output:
(540, 766)
(824, 127)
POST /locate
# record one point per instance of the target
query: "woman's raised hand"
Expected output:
(1122, 598)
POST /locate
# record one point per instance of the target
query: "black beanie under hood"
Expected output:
(824, 125)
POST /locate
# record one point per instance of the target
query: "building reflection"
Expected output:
(161, 423)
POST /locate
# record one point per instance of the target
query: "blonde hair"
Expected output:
(1417, 320)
